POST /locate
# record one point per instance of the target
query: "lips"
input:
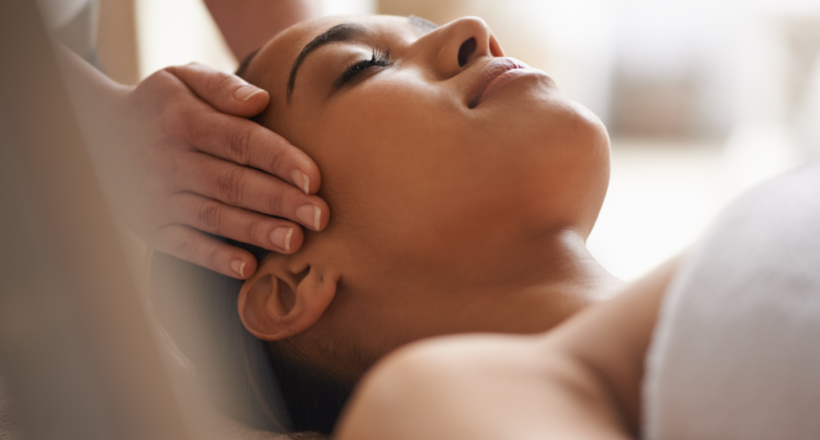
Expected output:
(491, 77)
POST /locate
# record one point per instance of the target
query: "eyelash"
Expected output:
(379, 59)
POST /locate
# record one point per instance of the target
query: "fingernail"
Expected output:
(245, 93)
(309, 215)
(238, 266)
(301, 180)
(280, 237)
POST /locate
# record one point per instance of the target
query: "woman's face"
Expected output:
(443, 163)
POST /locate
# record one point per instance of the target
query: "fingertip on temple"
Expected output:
(238, 267)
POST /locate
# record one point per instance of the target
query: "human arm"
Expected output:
(248, 24)
(581, 380)
(177, 159)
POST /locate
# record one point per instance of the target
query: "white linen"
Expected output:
(736, 351)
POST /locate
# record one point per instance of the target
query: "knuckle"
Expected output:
(213, 257)
(186, 248)
(168, 103)
(210, 216)
(224, 80)
(216, 81)
(252, 230)
(164, 80)
(282, 200)
(276, 203)
(230, 185)
(157, 77)
(276, 158)
(182, 71)
(155, 83)
(239, 146)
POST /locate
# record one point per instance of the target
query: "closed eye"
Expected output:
(378, 59)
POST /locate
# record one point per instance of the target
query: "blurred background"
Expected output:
(702, 98)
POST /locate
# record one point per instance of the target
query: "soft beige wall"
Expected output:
(172, 32)
(437, 11)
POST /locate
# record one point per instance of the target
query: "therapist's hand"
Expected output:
(178, 160)
(194, 165)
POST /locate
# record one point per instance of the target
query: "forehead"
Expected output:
(271, 66)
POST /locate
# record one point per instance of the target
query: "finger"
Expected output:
(248, 143)
(225, 92)
(215, 217)
(196, 247)
(251, 189)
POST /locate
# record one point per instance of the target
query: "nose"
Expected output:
(457, 44)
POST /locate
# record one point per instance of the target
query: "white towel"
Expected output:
(736, 352)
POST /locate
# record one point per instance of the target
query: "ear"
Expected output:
(275, 303)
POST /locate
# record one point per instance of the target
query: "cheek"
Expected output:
(405, 164)
(560, 154)
(426, 179)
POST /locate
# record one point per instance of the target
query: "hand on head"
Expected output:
(192, 164)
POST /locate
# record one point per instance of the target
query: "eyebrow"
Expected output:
(338, 33)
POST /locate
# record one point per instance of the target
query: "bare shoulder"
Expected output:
(581, 379)
(437, 389)
(609, 341)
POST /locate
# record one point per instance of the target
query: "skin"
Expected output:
(581, 380)
(447, 218)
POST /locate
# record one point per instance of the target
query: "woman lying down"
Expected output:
(722, 344)
(463, 186)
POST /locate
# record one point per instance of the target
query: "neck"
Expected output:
(548, 286)
(526, 292)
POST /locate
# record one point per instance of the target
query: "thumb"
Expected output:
(225, 92)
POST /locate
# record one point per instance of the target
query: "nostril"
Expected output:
(467, 48)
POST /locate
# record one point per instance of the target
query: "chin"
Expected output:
(591, 119)
(565, 166)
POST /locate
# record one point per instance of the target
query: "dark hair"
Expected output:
(265, 385)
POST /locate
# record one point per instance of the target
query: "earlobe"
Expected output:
(274, 304)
